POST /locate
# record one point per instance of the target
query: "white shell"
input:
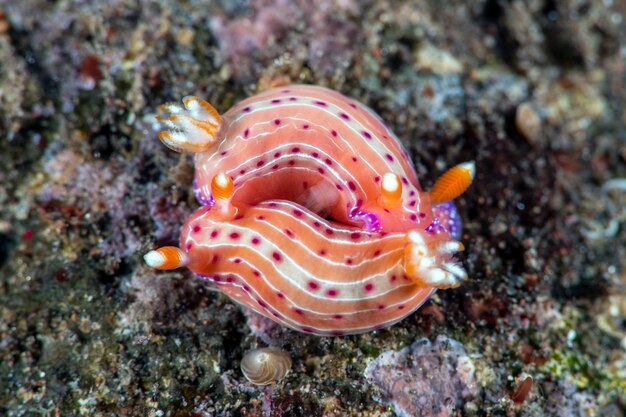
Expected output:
(265, 365)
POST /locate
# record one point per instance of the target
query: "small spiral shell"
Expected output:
(265, 365)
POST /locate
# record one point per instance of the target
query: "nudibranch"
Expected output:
(312, 214)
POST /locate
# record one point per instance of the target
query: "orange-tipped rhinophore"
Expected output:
(453, 183)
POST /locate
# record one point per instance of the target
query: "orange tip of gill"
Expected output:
(192, 128)
(209, 111)
(453, 183)
(166, 258)
(423, 264)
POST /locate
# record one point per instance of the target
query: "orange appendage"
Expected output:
(166, 257)
(193, 128)
(222, 190)
(453, 183)
(222, 186)
(390, 190)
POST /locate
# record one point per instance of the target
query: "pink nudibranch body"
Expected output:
(312, 213)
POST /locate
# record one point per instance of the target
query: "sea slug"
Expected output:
(311, 213)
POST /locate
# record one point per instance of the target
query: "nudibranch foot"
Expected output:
(192, 129)
(423, 264)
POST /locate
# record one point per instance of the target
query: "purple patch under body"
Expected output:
(447, 218)
(371, 222)
(200, 196)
